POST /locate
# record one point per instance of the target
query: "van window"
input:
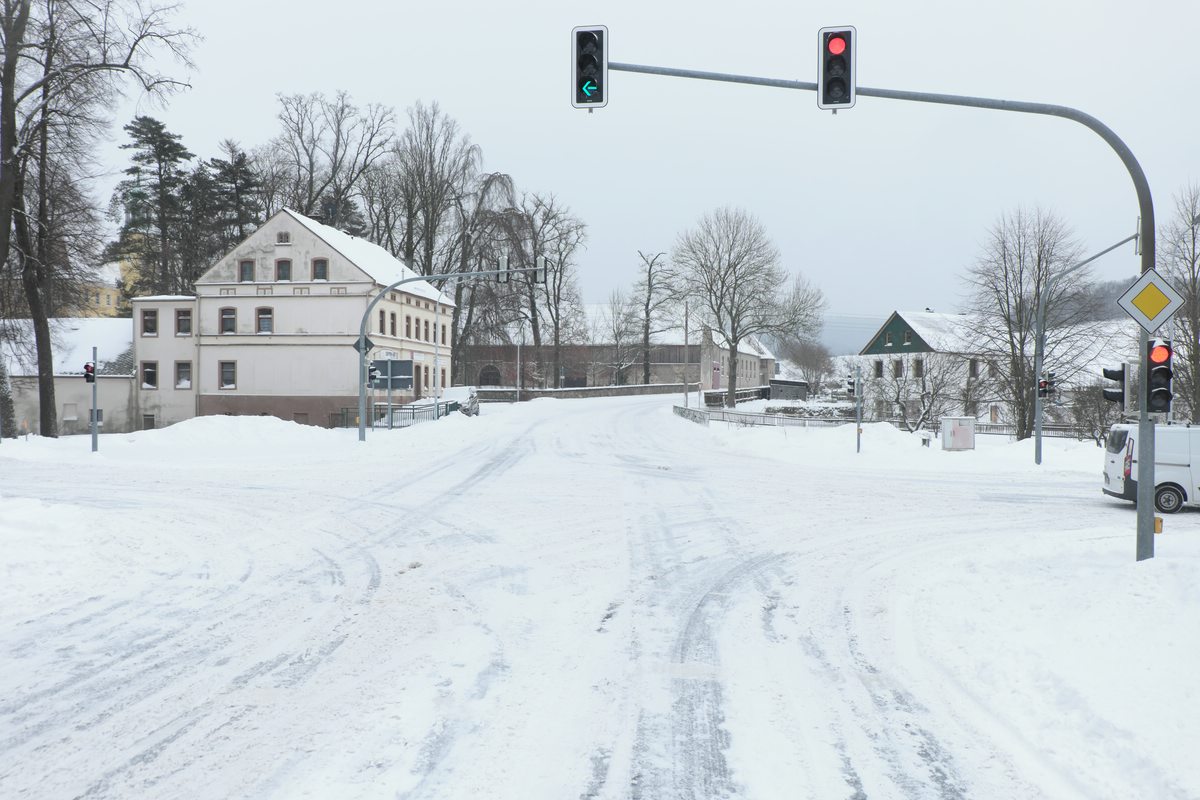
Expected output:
(1116, 441)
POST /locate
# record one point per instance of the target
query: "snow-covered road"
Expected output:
(585, 599)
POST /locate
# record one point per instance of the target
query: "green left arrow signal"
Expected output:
(588, 88)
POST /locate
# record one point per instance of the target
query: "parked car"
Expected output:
(1176, 479)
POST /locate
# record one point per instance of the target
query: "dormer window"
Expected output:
(908, 337)
(887, 340)
(283, 237)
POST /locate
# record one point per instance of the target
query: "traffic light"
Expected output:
(850, 387)
(1049, 383)
(539, 272)
(1043, 387)
(89, 372)
(503, 267)
(835, 67)
(1121, 393)
(1158, 386)
(589, 67)
(373, 374)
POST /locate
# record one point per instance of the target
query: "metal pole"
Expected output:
(437, 352)
(95, 379)
(858, 393)
(1145, 487)
(518, 380)
(389, 393)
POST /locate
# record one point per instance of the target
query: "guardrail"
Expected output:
(705, 416)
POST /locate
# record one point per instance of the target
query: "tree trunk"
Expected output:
(646, 345)
(731, 379)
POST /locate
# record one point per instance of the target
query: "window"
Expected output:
(183, 322)
(320, 269)
(908, 337)
(427, 330)
(408, 300)
(149, 374)
(897, 368)
(878, 369)
(183, 375)
(246, 271)
(426, 384)
(147, 422)
(283, 269)
(228, 320)
(300, 290)
(992, 371)
(338, 290)
(973, 368)
(443, 383)
(265, 291)
(392, 324)
(149, 322)
(228, 292)
(382, 321)
(227, 374)
(108, 299)
(443, 334)
(283, 237)
(918, 368)
(887, 340)
(264, 320)
(407, 326)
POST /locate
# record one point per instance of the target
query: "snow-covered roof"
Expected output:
(945, 333)
(383, 267)
(72, 340)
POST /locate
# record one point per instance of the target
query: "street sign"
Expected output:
(1151, 301)
(401, 372)
(368, 342)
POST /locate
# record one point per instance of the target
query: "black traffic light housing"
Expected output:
(1158, 383)
(850, 387)
(89, 372)
(836, 48)
(1120, 394)
(373, 374)
(1043, 387)
(589, 66)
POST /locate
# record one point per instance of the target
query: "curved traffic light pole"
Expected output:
(1145, 486)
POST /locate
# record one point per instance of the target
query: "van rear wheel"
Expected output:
(1168, 499)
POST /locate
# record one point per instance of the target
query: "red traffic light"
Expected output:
(1160, 354)
(837, 45)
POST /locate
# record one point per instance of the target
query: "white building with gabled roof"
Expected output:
(272, 326)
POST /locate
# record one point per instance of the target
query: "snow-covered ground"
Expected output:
(585, 599)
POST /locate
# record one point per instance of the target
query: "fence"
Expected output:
(402, 416)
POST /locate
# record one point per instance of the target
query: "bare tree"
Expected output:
(1026, 256)
(1179, 260)
(811, 358)
(620, 336)
(920, 387)
(326, 146)
(60, 61)
(656, 291)
(730, 267)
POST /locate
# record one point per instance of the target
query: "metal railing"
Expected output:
(401, 417)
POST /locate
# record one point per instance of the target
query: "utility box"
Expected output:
(788, 390)
(958, 433)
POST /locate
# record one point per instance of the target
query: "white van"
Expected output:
(1176, 448)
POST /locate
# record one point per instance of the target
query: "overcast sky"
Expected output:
(882, 206)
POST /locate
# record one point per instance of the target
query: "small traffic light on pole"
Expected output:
(835, 67)
(373, 374)
(89, 372)
(589, 66)
(1158, 385)
(1043, 387)
(1049, 383)
(850, 387)
(1121, 393)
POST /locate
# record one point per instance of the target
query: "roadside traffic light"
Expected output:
(503, 267)
(589, 67)
(1043, 387)
(89, 372)
(373, 374)
(850, 387)
(1121, 393)
(1049, 383)
(1158, 386)
(835, 67)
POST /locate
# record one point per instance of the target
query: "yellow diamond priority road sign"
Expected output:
(1151, 301)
